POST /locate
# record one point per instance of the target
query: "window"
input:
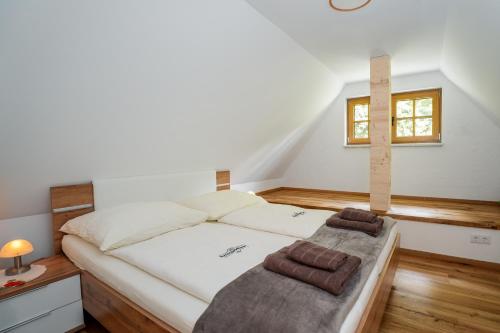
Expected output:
(416, 118)
(358, 120)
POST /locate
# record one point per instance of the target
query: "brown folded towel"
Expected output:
(354, 214)
(333, 282)
(372, 229)
(316, 256)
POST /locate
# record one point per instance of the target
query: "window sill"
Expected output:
(431, 144)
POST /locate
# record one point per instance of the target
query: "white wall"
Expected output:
(97, 89)
(465, 166)
(449, 240)
(37, 229)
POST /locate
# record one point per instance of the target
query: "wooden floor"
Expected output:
(433, 296)
(466, 213)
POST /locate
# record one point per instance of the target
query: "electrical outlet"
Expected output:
(485, 239)
(476, 239)
(480, 239)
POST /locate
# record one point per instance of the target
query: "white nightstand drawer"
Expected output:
(56, 321)
(23, 307)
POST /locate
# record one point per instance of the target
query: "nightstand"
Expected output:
(52, 303)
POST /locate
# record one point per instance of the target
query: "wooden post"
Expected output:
(380, 133)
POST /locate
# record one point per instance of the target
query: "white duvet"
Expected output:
(280, 219)
(190, 258)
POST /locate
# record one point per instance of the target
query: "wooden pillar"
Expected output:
(380, 133)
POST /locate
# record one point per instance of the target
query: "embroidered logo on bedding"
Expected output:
(232, 250)
(296, 214)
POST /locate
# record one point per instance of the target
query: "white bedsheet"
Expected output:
(163, 300)
(281, 219)
(190, 259)
(169, 303)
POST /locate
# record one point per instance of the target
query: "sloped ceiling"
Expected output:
(99, 89)
(459, 37)
(471, 51)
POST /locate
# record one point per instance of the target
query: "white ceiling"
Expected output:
(411, 31)
(460, 37)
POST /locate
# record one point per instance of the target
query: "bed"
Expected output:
(128, 295)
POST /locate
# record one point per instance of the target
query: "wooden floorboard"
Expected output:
(432, 210)
(432, 296)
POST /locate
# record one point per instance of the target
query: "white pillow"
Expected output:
(122, 225)
(286, 220)
(218, 204)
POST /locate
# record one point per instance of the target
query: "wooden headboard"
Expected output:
(70, 201)
(223, 180)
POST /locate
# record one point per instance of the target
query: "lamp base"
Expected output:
(18, 268)
(16, 271)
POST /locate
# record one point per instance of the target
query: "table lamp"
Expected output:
(15, 249)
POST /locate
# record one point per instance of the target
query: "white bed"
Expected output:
(168, 278)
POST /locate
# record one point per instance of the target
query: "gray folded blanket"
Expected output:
(333, 282)
(372, 229)
(317, 256)
(354, 214)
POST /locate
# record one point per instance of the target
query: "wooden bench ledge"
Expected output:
(458, 212)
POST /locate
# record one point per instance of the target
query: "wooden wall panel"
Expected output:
(380, 133)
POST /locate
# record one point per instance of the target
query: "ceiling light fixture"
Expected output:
(347, 9)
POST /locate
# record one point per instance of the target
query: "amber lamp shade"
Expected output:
(15, 249)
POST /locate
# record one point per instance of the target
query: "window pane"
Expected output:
(404, 109)
(423, 107)
(361, 112)
(361, 130)
(423, 126)
(404, 127)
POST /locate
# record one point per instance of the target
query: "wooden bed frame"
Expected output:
(119, 314)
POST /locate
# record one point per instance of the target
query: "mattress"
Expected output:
(172, 304)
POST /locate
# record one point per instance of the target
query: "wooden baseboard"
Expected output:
(451, 259)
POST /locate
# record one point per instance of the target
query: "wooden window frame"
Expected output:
(412, 95)
(351, 102)
(435, 94)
